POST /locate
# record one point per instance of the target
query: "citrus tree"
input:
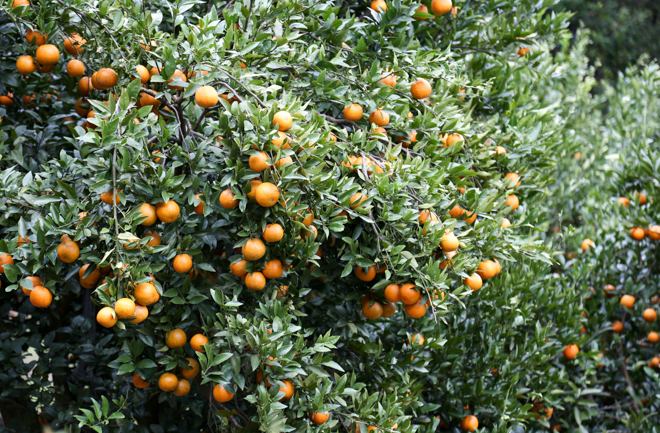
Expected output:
(282, 216)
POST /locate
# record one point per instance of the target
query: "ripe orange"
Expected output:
(357, 199)
(36, 281)
(75, 68)
(155, 238)
(255, 281)
(273, 233)
(424, 9)
(368, 276)
(282, 140)
(445, 263)
(421, 88)
(587, 244)
(177, 74)
(267, 194)
(182, 388)
(393, 293)
(389, 308)
(254, 249)
(146, 294)
(68, 251)
(653, 337)
(35, 38)
(417, 339)
(500, 150)
(283, 120)
(175, 338)
(372, 312)
(389, 79)
(18, 3)
(259, 162)
(654, 233)
(192, 370)
(26, 65)
(206, 97)
(92, 279)
(273, 269)
(141, 313)
(441, 7)
(168, 382)
(655, 362)
(512, 201)
(353, 112)
(379, 5)
(238, 268)
(182, 263)
(617, 326)
(449, 242)
(7, 100)
(416, 310)
(637, 233)
(105, 78)
(221, 394)
(74, 44)
(5, 259)
(167, 212)
(319, 418)
(197, 342)
(641, 197)
(571, 351)
(650, 315)
(41, 297)
(281, 291)
(627, 301)
(82, 112)
(379, 117)
(143, 73)
(473, 281)
(227, 200)
(139, 382)
(125, 308)
(106, 317)
(148, 211)
(254, 184)
(199, 209)
(106, 197)
(48, 54)
(408, 295)
(522, 51)
(487, 269)
(85, 86)
(470, 422)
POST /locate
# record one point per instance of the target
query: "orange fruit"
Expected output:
(445, 263)
(637, 233)
(41, 297)
(106, 197)
(7, 100)
(655, 362)
(259, 162)
(182, 263)
(141, 313)
(197, 342)
(177, 74)
(653, 337)
(167, 212)
(500, 150)
(106, 317)
(408, 295)
(379, 5)
(227, 200)
(417, 339)
(389, 79)
(206, 97)
(82, 112)
(35, 38)
(617, 326)
(372, 312)
(146, 99)
(125, 308)
(221, 394)
(470, 422)
(441, 7)
(85, 86)
(254, 184)
(357, 199)
(47, 54)
(182, 388)
(5, 259)
(389, 308)
(280, 140)
(513, 202)
(587, 244)
(422, 8)
(175, 338)
(26, 65)
(654, 233)
(283, 120)
(353, 112)
(74, 44)
(254, 249)
(392, 293)
(650, 315)
(368, 276)
(199, 209)
(68, 251)
(473, 281)
(641, 197)
(273, 233)
(255, 281)
(36, 281)
(416, 310)
(283, 161)
(146, 294)
(487, 269)
(522, 51)
(571, 351)
(420, 89)
(168, 382)
(238, 268)
(267, 194)
(155, 238)
(456, 211)
(379, 117)
(449, 242)
(624, 201)
(93, 278)
(148, 211)
(192, 370)
(505, 223)
(513, 179)
(75, 68)
(139, 382)
(143, 73)
(273, 269)
(627, 301)
(319, 418)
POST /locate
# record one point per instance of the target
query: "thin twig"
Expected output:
(243, 86)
